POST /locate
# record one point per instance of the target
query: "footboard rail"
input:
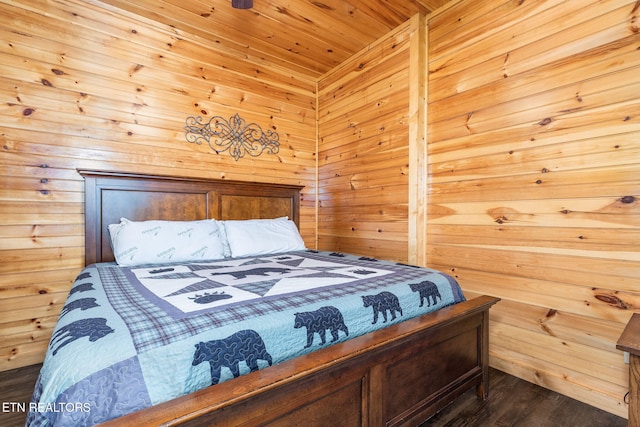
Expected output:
(397, 376)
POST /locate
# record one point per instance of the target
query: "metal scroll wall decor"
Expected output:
(233, 135)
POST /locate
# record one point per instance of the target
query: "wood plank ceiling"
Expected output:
(307, 37)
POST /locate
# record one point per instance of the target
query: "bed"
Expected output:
(350, 339)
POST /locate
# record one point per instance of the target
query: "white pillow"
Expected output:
(262, 236)
(155, 242)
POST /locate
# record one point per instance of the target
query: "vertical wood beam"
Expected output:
(316, 155)
(418, 89)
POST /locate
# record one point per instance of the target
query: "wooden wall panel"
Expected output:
(507, 130)
(363, 156)
(85, 85)
(534, 184)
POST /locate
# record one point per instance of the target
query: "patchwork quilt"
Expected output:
(131, 337)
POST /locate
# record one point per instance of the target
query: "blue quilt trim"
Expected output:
(109, 393)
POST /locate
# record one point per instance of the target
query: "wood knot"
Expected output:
(628, 199)
(612, 300)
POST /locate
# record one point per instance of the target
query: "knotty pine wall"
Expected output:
(531, 152)
(363, 155)
(534, 181)
(93, 88)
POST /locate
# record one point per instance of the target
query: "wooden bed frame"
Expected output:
(397, 376)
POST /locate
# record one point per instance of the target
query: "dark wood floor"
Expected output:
(16, 386)
(512, 402)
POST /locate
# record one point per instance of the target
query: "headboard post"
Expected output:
(110, 196)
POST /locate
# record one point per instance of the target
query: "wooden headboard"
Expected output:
(110, 196)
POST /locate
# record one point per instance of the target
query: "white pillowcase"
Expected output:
(154, 242)
(262, 236)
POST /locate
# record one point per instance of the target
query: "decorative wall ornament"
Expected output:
(233, 135)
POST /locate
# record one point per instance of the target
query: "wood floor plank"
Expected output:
(515, 402)
(16, 387)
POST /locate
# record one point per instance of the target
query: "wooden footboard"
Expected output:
(398, 376)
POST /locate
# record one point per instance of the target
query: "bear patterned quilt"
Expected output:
(129, 338)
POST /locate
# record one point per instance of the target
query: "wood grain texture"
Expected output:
(531, 150)
(87, 86)
(363, 129)
(515, 402)
(306, 38)
(533, 190)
